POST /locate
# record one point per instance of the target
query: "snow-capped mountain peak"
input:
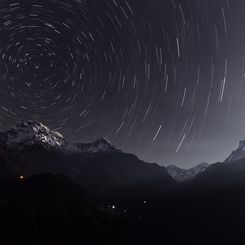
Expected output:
(237, 154)
(31, 132)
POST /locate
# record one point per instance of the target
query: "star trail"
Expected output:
(163, 79)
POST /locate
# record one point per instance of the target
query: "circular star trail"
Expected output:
(161, 79)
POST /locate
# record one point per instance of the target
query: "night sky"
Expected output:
(163, 79)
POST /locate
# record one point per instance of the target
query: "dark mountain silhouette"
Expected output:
(134, 202)
(108, 173)
(229, 173)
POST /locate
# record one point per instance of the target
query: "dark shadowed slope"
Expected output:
(49, 209)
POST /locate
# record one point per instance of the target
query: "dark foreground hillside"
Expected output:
(207, 217)
(49, 209)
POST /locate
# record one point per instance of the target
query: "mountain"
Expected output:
(224, 174)
(180, 174)
(35, 133)
(237, 154)
(106, 172)
(220, 175)
(53, 191)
